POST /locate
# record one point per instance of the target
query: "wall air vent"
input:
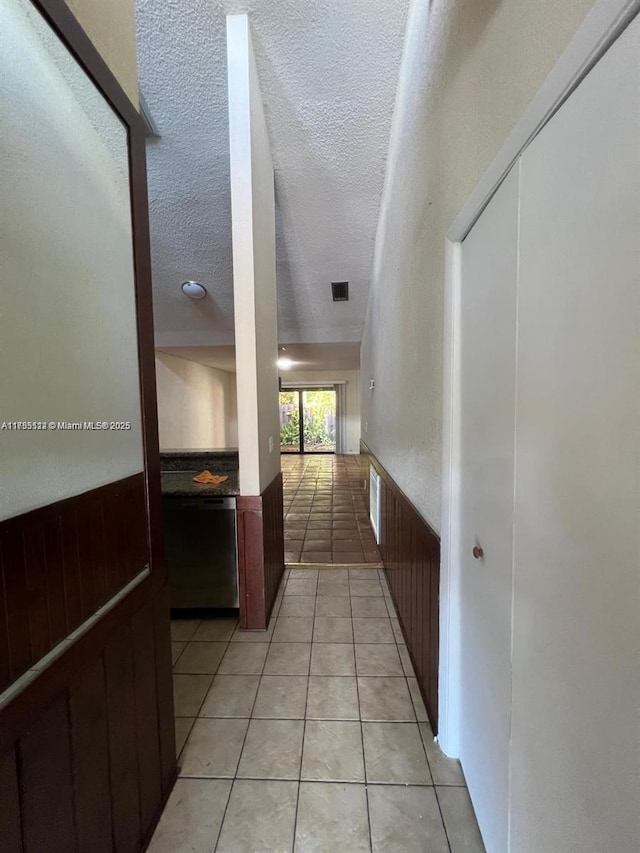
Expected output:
(340, 291)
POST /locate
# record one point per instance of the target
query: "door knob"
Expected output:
(478, 553)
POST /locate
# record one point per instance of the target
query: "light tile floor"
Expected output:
(311, 736)
(326, 519)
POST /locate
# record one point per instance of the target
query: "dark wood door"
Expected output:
(87, 750)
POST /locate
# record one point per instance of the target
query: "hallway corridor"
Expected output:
(311, 736)
(326, 518)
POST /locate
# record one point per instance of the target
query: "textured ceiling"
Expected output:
(305, 357)
(328, 73)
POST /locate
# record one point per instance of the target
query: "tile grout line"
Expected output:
(364, 757)
(353, 638)
(433, 785)
(424, 748)
(406, 677)
(244, 740)
(295, 818)
(304, 722)
(319, 719)
(186, 643)
(371, 784)
(213, 676)
(444, 825)
(197, 717)
(173, 674)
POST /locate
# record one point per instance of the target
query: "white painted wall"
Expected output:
(196, 405)
(254, 266)
(575, 760)
(231, 415)
(352, 380)
(68, 341)
(469, 70)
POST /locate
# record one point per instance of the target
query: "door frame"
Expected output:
(300, 389)
(26, 698)
(599, 30)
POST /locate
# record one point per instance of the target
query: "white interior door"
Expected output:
(488, 334)
(575, 764)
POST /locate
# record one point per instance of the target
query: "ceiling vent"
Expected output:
(340, 291)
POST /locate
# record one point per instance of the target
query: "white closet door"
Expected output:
(575, 763)
(489, 289)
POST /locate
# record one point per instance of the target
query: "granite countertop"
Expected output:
(179, 454)
(180, 484)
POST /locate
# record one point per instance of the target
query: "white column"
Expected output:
(254, 266)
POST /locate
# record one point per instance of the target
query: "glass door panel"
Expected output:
(319, 419)
(290, 422)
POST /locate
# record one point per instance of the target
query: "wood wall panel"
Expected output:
(46, 784)
(147, 740)
(251, 601)
(260, 521)
(71, 567)
(17, 603)
(434, 624)
(5, 660)
(123, 752)
(117, 569)
(89, 557)
(61, 563)
(273, 538)
(36, 580)
(10, 828)
(85, 775)
(164, 686)
(54, 562)
(410, 550)
(90, 758)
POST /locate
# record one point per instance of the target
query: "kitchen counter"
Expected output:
(216, 461)
(180, 484)
(200, 451)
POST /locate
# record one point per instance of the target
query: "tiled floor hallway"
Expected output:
(311, 736)
(326, 519)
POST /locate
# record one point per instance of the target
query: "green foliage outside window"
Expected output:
(319, 406)
(290, 432)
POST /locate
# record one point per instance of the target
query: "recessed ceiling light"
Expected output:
(285, 363)
(193, 289)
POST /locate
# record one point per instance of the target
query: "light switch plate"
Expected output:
(270, 444)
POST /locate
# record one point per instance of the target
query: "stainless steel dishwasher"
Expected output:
(201, 551)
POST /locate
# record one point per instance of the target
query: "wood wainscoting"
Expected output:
(410, 551)
(61, 563)
(94, 759)
(260, 553)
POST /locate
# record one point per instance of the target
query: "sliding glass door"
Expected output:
(308, 420)
(290, 422)
(319, 420)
